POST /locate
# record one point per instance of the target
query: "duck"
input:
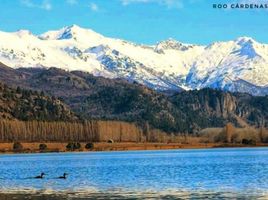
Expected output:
(40, 176)
(64, 176)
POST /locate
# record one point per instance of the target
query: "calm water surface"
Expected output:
(234, 173)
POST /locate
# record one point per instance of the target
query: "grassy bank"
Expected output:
(101, 146)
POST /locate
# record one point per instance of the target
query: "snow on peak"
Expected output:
(23, 33)
(71, 32)
(243, 40)
(248, 47)
(172, 44)
(97, 49)
(169, 64)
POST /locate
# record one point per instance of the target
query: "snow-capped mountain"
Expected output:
(238, 65)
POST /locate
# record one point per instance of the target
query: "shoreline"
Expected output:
(132, 195)
(56, 147)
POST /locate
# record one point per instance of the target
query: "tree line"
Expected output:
(33, 131)
(86, 131)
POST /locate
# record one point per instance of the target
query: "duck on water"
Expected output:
(64, 176)
(40, 176)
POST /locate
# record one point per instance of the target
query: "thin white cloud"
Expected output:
(94, 7)
(45, 4)
(127, 2)
(71, 2)
(166, 3)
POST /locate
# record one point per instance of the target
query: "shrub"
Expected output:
(42, 147)
(110, 141)
(221, 136)
(248, 142)
(17, 146)
(72, 146)
(89, 145)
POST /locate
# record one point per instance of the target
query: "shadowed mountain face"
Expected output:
(31, 105)
(116, 99)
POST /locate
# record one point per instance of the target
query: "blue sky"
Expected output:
(141, 21)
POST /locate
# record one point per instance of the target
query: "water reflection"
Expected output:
(237, 173)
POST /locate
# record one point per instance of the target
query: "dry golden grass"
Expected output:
(124, 146)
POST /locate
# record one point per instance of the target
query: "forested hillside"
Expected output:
(99, 98)
(28, 105)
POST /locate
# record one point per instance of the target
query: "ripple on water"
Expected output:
(176, 174)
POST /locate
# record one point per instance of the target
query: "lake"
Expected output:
(220, 173)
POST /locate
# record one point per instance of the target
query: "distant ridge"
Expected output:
(237, 65)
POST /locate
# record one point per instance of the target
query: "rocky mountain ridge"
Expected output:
(239, 65)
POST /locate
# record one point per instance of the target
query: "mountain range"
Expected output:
(239, 65)
(78, 95)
